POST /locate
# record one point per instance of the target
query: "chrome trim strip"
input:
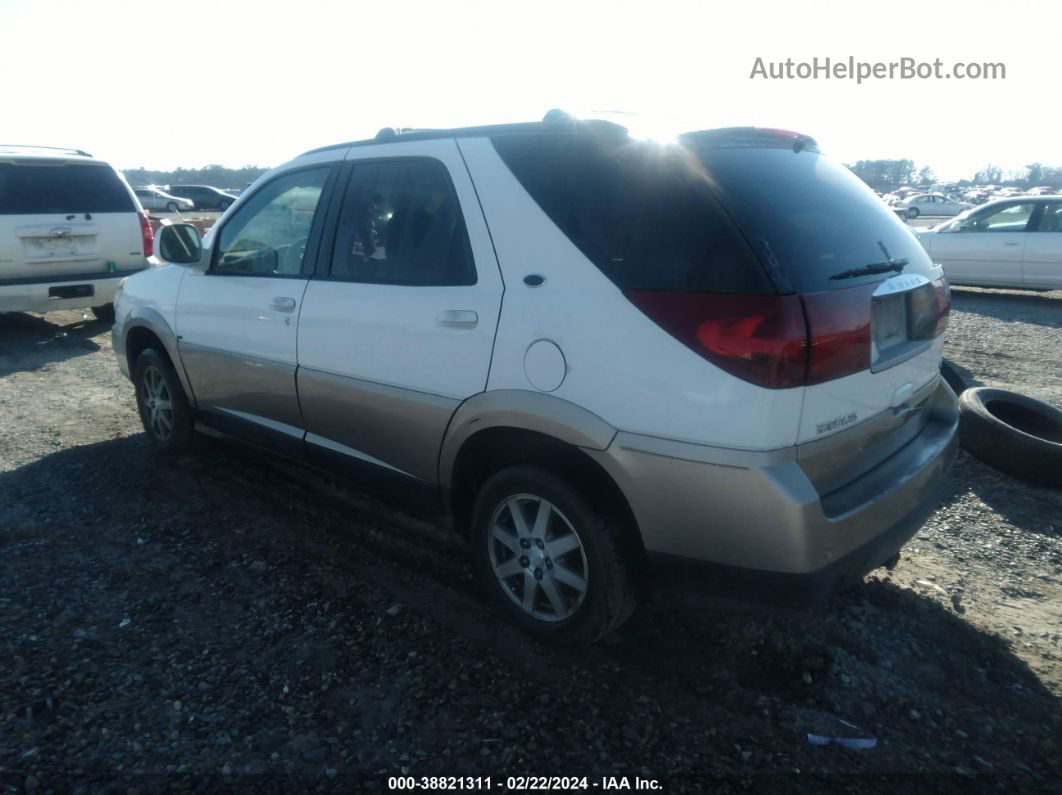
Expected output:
(265, 422)
(320, 441)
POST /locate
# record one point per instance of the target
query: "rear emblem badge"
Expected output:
(837, 422)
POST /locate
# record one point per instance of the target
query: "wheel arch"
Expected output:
(515, 427)
(146, 328)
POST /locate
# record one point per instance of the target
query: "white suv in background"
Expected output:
(70, 230)
(601, 358)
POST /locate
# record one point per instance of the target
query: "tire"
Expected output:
(168, 420)
(104, 313)
(912, 213)
(172, 207)
(1014, 433)
(952, 376)
(588, 548)
(224, 204)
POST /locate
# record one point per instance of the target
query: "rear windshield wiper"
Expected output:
(896, 264)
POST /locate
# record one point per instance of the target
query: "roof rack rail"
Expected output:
(81, 152)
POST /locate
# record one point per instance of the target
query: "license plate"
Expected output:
(890, 321)
(56, 246)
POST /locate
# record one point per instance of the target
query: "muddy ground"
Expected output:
(227, 621)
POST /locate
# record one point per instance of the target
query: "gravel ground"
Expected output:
(228, 621)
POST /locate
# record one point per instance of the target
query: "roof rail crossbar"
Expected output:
(81, 152)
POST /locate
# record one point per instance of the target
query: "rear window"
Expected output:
(642, 213)
(69, 188)
(808, 217)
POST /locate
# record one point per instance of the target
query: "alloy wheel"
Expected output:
(157, 403)
(538, 557)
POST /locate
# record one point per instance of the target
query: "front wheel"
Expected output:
(912, 213)
(172, 207)
(224, 204)
(162, 403)
(554, 561)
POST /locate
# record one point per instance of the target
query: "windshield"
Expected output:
(809, 218)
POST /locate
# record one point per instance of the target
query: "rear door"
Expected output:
(237, 320)
(398, 328)
(66, 218)
(986, 248)
(1042, 265)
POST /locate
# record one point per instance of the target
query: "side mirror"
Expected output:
(179, 244)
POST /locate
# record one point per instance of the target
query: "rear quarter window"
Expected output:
(70, 188)
(643, 214)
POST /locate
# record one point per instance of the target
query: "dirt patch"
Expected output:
(228, 621)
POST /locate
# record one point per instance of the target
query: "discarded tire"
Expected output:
(952, 376)
(1014, 433)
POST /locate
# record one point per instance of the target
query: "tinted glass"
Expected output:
(402, 224)
(808, 217)
(643, 214)
(1051, 218)
(267, 236)
(72, 188)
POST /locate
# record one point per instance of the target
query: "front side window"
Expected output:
(402, 224)
(1051, 218)
(267, 236)
(1013, 218)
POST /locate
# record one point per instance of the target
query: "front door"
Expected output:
(399, 328)
(987, 247)
(237, 320)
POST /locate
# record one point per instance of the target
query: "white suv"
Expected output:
(70, 230)
(601, 358)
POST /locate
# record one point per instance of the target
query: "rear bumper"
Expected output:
(753, 526)
(35, 295)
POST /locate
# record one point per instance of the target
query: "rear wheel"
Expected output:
(550, 558)
(162, 403)
(172, 207)
(224, 204)
(105, 312)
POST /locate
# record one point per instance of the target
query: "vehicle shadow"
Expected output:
(29, 342)
(1010, 305)
(224, 550)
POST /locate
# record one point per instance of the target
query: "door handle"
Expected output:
(282, 304)
(457, 317)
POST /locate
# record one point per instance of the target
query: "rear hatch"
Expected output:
(62, 218)
(874, 304)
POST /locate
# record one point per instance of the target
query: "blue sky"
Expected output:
(191, 83)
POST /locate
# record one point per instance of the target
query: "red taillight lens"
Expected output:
(148, 235)
(839, 327)
(759, 338)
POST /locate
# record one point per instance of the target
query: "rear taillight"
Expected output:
(839, 329)
(146, 233)
(758, 338)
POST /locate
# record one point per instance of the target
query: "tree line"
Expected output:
(218, 176)
(888, 175)
(881, 175)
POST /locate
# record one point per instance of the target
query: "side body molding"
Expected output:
(153, 321)
(525, 410)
